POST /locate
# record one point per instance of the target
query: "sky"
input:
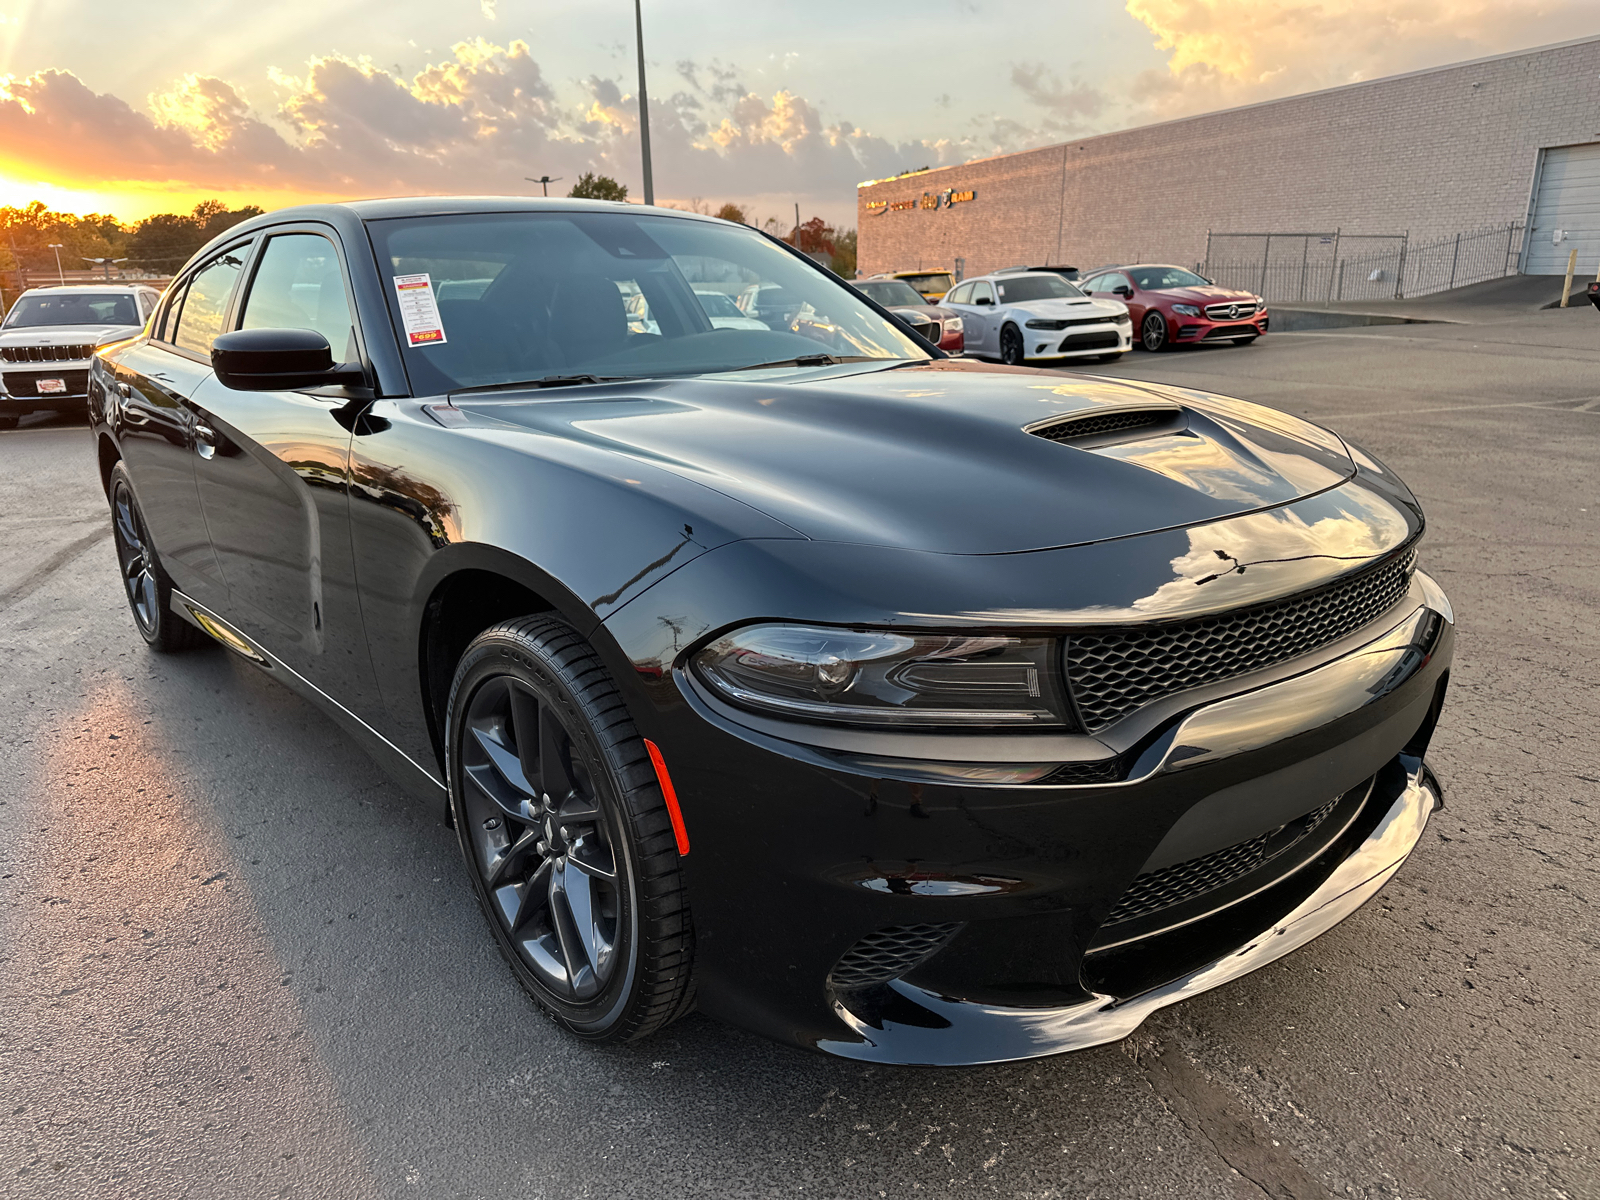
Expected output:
(134, 108)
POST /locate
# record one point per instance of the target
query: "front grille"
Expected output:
(1090, 341)
(1230, 311)
(888, 954)
(1168, 886)
(1107, 770)
(1071, 428)
(25, 384)
(19, 354)
(1114, 671)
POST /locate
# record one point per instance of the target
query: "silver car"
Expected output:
(1023, 316)
(50, 334)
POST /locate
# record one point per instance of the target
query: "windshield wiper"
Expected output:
(805, 360)
(546, 381)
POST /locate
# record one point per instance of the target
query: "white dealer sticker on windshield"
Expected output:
(419, 313)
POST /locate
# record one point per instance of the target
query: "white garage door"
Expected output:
(1567, 208)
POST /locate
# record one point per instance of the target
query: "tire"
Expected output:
(1110, 358)
(1245, 341)
(1153, 332)
(565, 833)
(1012, 350)
(148, 589)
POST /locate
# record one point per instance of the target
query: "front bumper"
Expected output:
(1203, 329)
(1086, 341)
(801, 858)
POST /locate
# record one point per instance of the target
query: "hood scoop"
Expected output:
(1105, 426)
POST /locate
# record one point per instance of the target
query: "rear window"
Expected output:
(937, 282)
(889, 292)
(73, 308)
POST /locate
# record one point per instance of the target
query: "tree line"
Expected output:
(157, 245)
(160, 244)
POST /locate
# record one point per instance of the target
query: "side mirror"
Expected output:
(279, 360)
(1125, 292)
(983, 300)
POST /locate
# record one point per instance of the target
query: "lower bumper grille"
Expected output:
(25, 384)
(1164, 888)
(1089, 341)
(889, 953)
(1230, 331)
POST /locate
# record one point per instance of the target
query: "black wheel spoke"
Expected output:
(501, 864)
(525, 730)
(554, 778)
(593, 859)
(568, 928)
(535, 894)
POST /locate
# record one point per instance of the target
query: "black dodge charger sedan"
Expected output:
(905, 708)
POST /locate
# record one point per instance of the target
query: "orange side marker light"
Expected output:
(670, 794)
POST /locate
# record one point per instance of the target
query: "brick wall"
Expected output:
(1432, 153)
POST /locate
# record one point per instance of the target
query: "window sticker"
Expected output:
(419, 312)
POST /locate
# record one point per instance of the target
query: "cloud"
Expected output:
(478, 121)
(1222, 53)
(1067, 104)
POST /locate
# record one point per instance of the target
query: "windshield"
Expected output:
(889, 292)
(936, 282)
(501, 298)
(1155, 278)
(1021, 289)
(72, 308)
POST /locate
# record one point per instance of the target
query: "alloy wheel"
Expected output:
(542, 843)
(1153, 333)
(1012, 350)
(134, 556)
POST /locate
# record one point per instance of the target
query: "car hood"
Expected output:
(936, 457)
(1206, 295)
(1071, 310)
(65, 335)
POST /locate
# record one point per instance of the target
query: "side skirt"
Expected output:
(398, 765)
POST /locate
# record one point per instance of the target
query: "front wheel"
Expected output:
(1012, 350)
(1153, 333)
(566, 834)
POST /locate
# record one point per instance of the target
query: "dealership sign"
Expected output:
(948, 198)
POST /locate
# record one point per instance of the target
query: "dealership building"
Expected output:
(1395, 186)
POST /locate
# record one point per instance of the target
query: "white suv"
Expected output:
(51, 333)
(1019, 316)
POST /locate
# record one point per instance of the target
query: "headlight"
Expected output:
(1188, 310)
(953, 325)
(886, 678)
(1122, 318)
(1042, 323)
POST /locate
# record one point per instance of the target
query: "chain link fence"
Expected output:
(1325, 268)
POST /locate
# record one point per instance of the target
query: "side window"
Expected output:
(298, 285)
(205, 302)
(1096, 284)
(983, 291)
(1117, 281)
(961, 295)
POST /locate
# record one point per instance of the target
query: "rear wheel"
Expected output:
(1153, 333)
(148, 589)
(1012, 350)
(566, 834)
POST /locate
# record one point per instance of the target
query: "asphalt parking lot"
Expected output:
(237, 961)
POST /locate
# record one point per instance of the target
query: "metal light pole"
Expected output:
(644, 108)
(61, 275)
(546, 180)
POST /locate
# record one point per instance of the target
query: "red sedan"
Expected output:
(1171, 306)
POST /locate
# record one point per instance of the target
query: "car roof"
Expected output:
(98, 288)
(921, 271)
(391, 207)
(1008, 276)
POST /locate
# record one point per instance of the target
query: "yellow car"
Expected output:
(932, 284)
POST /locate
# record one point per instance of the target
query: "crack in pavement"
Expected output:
(1240, 1139)
(30, 582)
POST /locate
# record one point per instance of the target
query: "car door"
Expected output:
(150, 409)
(986, 317)
(1117, 286)
(272, 469)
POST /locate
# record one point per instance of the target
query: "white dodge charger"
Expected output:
(1022, 316)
